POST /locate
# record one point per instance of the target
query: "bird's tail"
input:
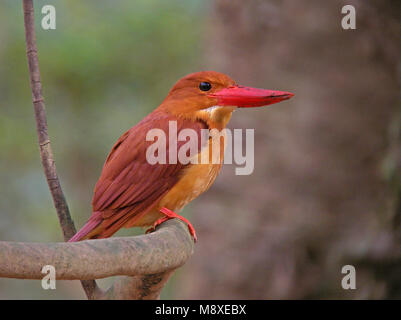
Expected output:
(90, 229)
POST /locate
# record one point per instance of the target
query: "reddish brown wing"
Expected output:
(129, 186)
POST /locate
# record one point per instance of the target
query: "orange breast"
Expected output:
(196, 179)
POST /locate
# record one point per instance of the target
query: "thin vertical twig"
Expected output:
(49, 167)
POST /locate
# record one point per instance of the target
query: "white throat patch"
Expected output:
(212, 108)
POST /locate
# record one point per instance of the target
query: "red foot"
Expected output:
(171, 215)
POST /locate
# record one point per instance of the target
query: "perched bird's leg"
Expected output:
(169, 214)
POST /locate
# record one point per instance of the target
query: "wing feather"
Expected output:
(129, 185)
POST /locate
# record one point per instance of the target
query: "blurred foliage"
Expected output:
(107, 64)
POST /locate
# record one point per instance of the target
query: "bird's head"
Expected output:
(212, 97)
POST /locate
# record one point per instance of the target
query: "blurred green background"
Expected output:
(326, 186)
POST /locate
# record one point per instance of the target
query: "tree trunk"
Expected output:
(326, 187)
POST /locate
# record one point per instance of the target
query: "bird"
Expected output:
(132, 192)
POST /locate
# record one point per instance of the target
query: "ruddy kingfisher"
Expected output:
(132, 192)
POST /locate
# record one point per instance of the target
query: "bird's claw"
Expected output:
(169, 214)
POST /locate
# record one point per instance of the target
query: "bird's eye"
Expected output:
(205, 86)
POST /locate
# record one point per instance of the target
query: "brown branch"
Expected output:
(147, 260)
(146, 287)
(66, 223)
